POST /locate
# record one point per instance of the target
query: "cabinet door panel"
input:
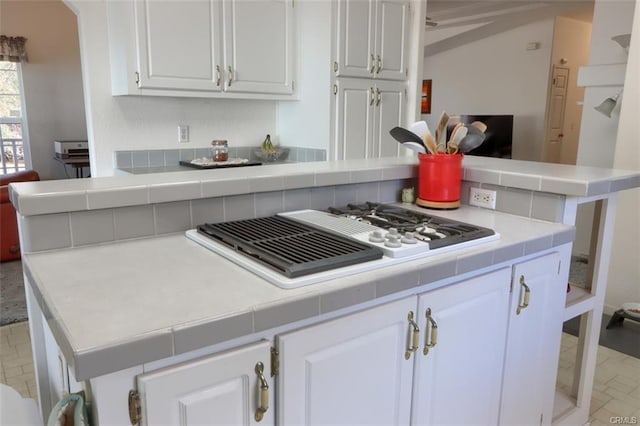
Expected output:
(356, 38)
(391, 39)
(458, 381)
(177, 44)
(349, 371)
(389, 114)
(534, 343)
(258, 46)
(355, 102)
(218, 390)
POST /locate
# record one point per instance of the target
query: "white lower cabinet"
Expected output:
(482, 351)
(533, 344)
(396, 365)
(458, 367)
(349, 371)
(230, 388)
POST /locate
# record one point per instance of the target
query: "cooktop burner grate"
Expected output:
(292, 248)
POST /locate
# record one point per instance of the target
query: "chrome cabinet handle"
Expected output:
(218, 75)
(372, 67)
(230, 75)
(378, 97)
(526, 298)
(414, 331)
(264, 392)
(373, 96)
(430, 338)
(379, 66)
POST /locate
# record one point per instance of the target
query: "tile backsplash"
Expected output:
(172, 157)
(78, 228)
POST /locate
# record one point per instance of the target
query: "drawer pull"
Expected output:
(431, 337)
(264, 392)
(414, 336)
(527, 296)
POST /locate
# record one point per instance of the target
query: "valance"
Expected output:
(12, 49)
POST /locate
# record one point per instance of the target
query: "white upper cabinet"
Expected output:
(371, 40)
(177, 44)
(209, 48)
(365, 111)
(258, 46)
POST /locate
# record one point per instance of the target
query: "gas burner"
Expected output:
(436, 230)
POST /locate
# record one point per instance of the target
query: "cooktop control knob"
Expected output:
(409, 238)
(393, 241)
(393, 232)
(376, 237)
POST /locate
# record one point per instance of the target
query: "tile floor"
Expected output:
(616, 390)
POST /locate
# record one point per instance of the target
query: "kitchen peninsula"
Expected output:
(122, 303)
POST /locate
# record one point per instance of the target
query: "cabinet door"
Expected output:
(178, 43)
(349, 371)
(355, 104)
(356, 38)
(457, 380)
(388, 113)
(258, 46)
(222, 389)
(392, 29)
(533, 342)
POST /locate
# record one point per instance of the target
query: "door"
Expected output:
(535, 328)
(356, 38)
(223, 389)
(355, 103)
(555, 120)
(392, 29)
(177, 43)
(258, 46)
(458, 370)
(348, 371)
(388, 113)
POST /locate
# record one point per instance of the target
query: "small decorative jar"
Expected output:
(219, 150)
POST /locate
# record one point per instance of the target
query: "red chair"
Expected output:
(9, 242)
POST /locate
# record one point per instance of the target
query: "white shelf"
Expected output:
(601, 75)
(579, 301)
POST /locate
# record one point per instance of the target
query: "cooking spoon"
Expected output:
(415, 147)
(480, 126)
(403, 135)
(470, 142)
(458, 134)
(442, 127)
(419, 128)
(430, 143)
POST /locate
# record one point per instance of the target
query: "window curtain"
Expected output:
(12, 49)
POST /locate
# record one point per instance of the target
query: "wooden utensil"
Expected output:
(480, 125)
(441, 130)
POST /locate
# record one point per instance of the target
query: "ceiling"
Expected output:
(448, 13)
(451, 23)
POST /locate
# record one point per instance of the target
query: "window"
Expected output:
(12, 135)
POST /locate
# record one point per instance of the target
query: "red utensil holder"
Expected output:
(439, 180)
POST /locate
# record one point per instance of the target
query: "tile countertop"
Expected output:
(32, 198)
(113, 306)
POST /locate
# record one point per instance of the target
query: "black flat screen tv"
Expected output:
(499, 134)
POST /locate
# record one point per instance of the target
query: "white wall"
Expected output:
(146, 122)
(52, 79)
(624, 272)
(497, 75)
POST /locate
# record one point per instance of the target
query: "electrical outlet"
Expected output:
(183, 133)
(482, 198)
